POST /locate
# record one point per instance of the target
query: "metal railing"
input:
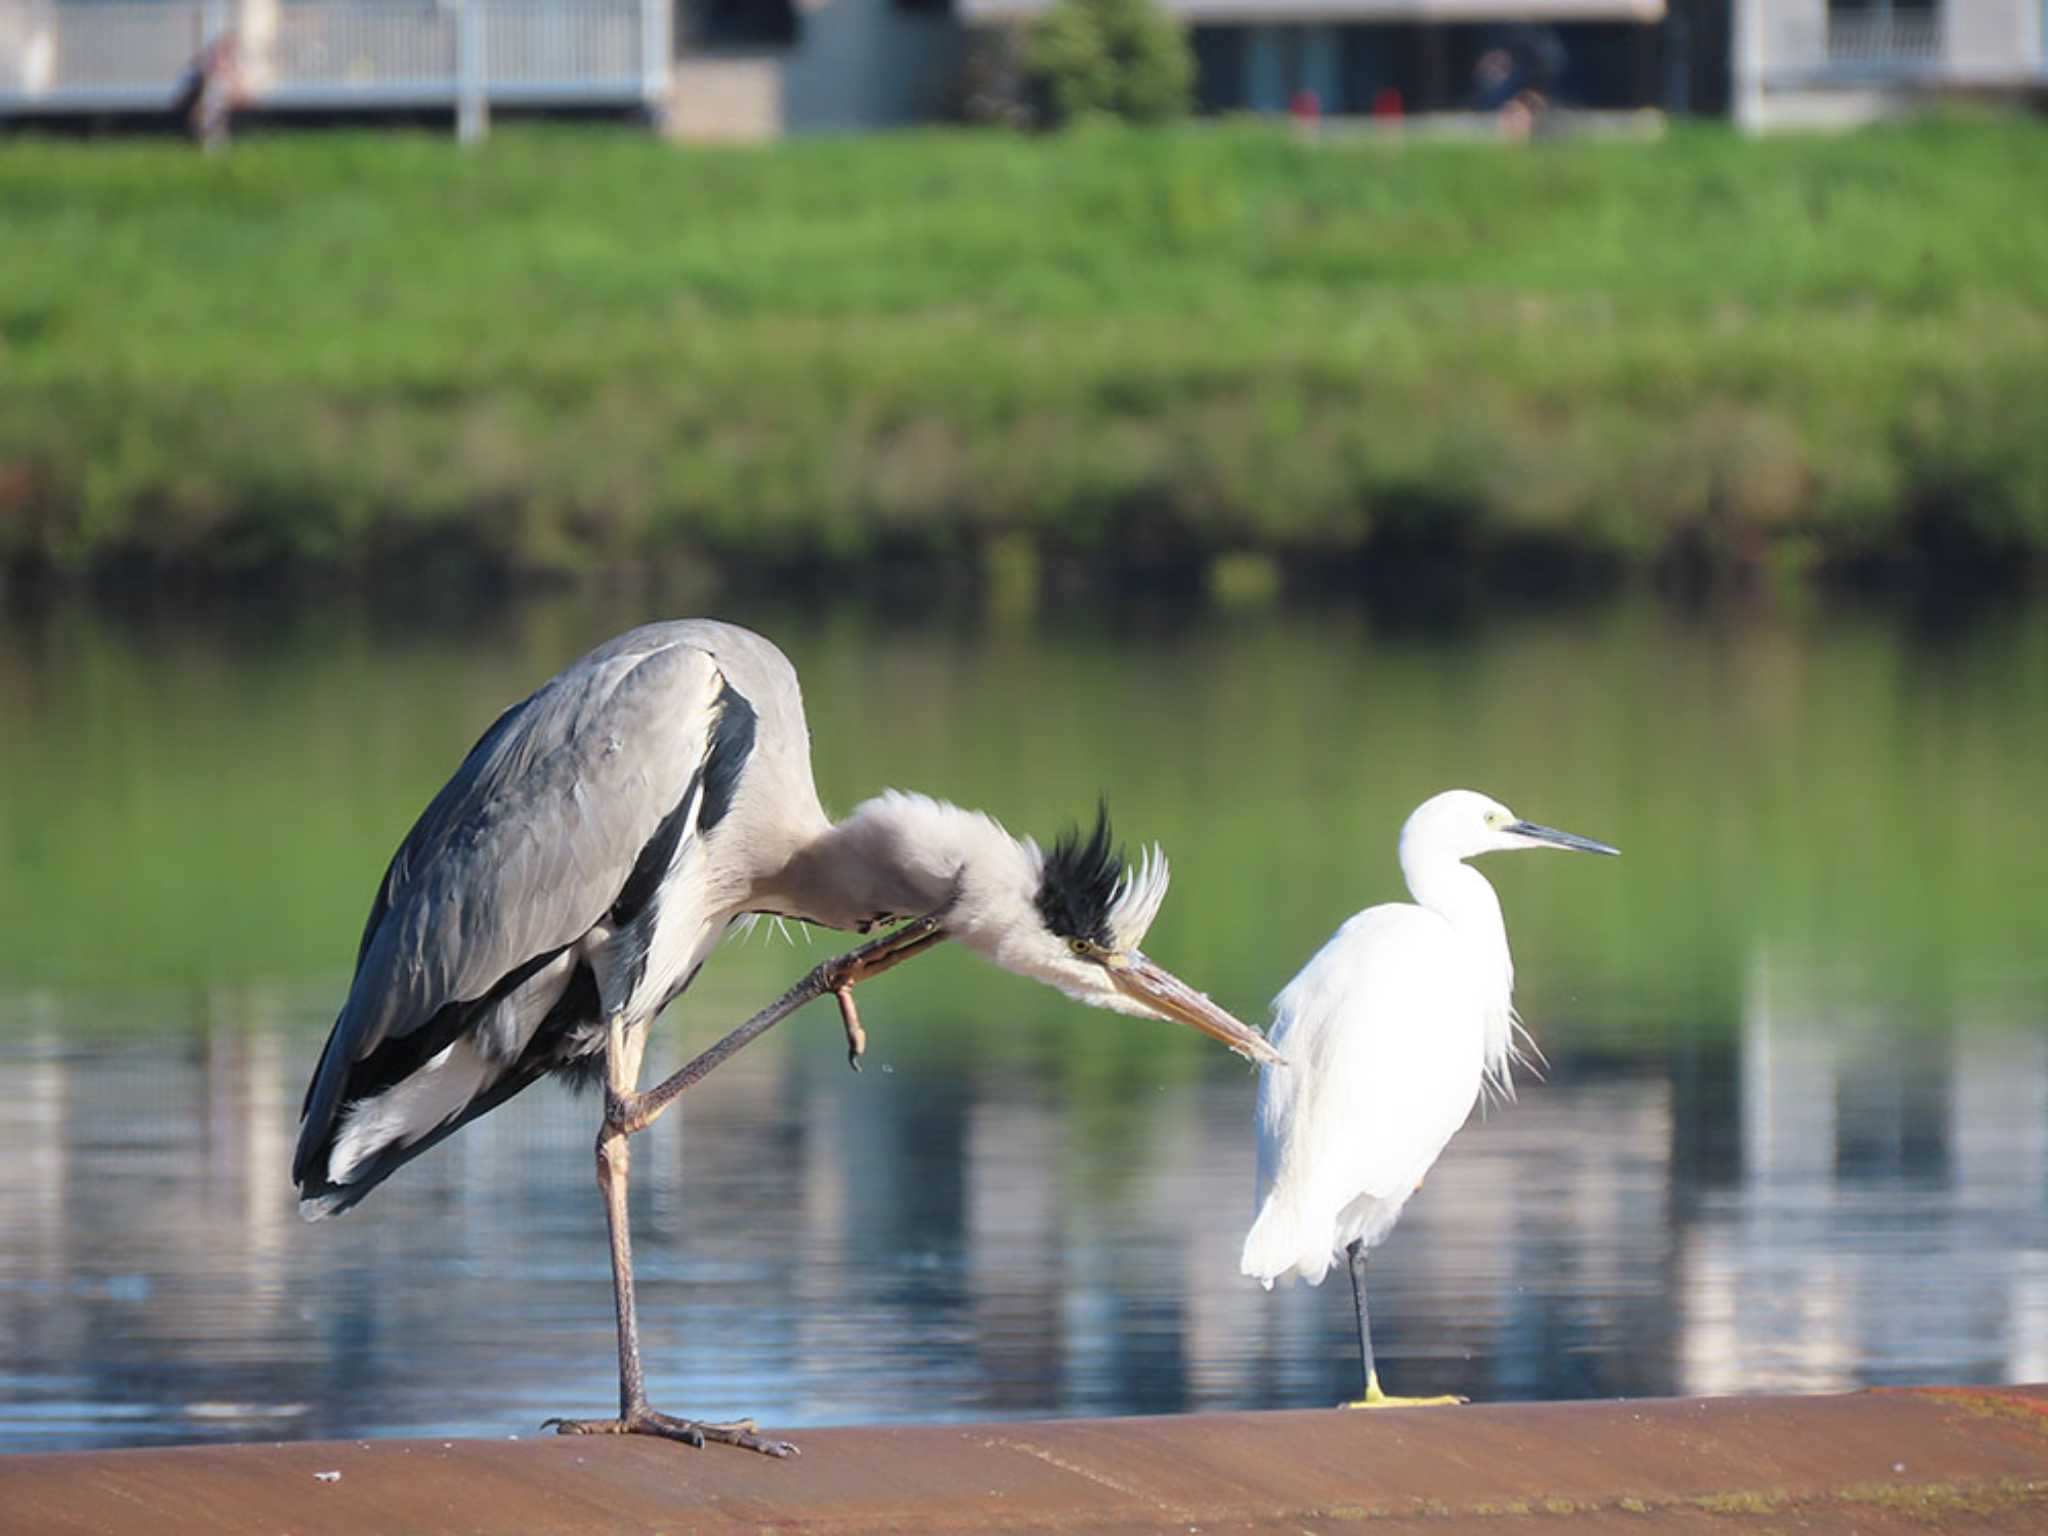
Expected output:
(339, 54)
(1884, 41)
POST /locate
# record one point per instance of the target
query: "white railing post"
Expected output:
(1748, 24)
(656, 49)
(472, 105)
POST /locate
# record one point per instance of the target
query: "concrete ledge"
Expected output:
(1889, 1461)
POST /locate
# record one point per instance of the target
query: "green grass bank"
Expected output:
(582, 349)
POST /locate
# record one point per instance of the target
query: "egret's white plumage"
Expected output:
(1350, 1126)
(1390, 1033)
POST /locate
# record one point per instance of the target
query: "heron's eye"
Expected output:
(1080, 946)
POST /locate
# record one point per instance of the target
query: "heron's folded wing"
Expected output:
(528, 846)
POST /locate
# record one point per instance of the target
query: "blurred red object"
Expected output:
(1386, 102)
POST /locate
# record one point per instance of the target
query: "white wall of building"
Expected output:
(1992, 40)
(1786, 75)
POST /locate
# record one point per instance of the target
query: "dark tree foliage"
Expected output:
(1114, 58)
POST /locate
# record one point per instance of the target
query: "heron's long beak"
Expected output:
(1557, 839)
(1167, 995)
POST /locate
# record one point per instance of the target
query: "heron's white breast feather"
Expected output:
(905, 854)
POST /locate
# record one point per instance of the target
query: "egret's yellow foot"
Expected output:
(1375, 1398)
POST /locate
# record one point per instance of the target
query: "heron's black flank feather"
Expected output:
(709, 796)
(555, 1047)
(1080, 882)
(636, 897)
(732, 743)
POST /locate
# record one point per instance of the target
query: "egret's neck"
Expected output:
(898, 855)
(1465, 899)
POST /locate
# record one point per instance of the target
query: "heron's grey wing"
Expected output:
(568, 808)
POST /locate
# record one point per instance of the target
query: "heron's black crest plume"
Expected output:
(1081, 882)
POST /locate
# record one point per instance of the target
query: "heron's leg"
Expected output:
(614, 1174)
(614, 1168)
(1355, 1253)
(837, 976)
(626, 1113)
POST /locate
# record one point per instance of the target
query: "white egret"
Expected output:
(1390, 1033)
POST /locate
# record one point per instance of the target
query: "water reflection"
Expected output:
(921, 1243)
(1795, 1135)
(1889, 1226)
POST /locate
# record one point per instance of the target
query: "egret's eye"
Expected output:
(1496, 819)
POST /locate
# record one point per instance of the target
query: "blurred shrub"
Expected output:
(1112, 58)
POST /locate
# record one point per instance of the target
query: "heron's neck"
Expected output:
(1465, 899)
(896, 856)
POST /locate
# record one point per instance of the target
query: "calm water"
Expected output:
(1794, 1135)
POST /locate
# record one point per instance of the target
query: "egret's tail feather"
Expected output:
(1281, 1243)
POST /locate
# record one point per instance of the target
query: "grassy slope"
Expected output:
(583, 346)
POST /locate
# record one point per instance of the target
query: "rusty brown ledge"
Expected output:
(1911, 1460)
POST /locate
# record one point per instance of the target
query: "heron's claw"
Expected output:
(856, 1037)
(740, 1433)
(874, 957)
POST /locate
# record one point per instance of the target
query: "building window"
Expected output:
(740, 23)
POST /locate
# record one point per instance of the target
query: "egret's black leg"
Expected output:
(627, 1112)
(1355, 1253)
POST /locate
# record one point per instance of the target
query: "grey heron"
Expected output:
(589, 854)
(1390, 1032)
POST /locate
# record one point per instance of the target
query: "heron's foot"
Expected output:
(870, 960)
(692, 1432)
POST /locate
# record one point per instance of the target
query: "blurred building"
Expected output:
(103, 57)
(707, 68)
(1363, 57)
(1828, 63)
(752, 69)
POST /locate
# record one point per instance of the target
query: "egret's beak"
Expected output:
(1557, 839)
(1165, 994)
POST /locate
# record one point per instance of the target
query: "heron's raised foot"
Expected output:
(692, 1432)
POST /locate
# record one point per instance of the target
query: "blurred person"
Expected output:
(210, 90)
